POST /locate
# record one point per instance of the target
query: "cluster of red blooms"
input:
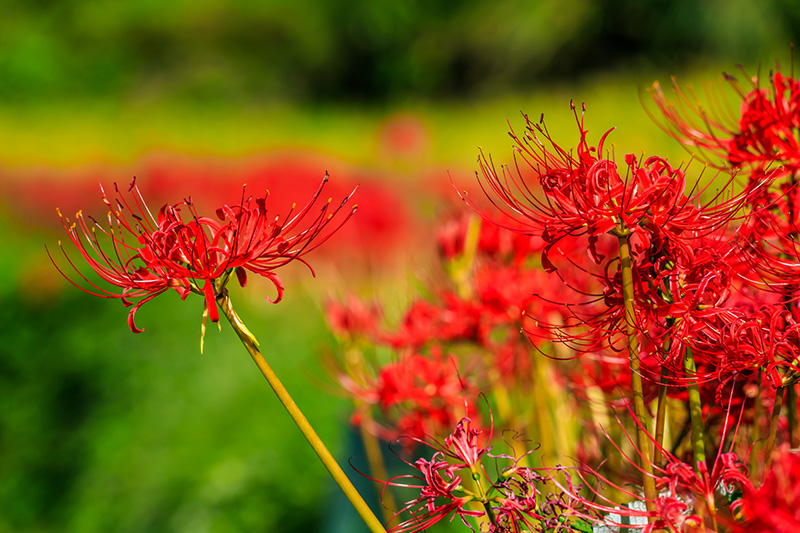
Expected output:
(696, 286)
(443, 350)
(683, 249)
(456, 482)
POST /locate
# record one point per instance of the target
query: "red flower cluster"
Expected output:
(426, 391)
(688, 254)
(513, 501)
(688, 500)
(179, 249)
(697, 284)
(476, 322)
(763, 135)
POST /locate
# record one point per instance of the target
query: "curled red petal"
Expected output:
(132, 313)
(273, 277)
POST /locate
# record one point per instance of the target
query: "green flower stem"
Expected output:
(773, 424)
(311, 436)
(478, 478)
(490, 513)
(661, 409)
(377, 467)
(791, 411)
(695, 412)
(661, 415)
(639, 411)
(758, 415)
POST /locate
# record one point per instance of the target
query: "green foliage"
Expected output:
(343, 50)
(104, 430)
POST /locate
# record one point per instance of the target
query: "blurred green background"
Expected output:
(104, 430)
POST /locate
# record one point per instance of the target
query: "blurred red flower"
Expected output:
(775, 506)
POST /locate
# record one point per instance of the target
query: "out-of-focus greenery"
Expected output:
(361, 50)
(103, 430)
(114, 133)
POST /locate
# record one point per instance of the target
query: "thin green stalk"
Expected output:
(639, 411)
(661, 409)
(695, 412)
(791, 411)
(251, 344)
(755, 428)
(661, 415)
(490, 513)
(773, 425)
(377, 468)
(478, 478)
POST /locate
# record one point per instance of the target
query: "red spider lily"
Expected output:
(442, 492)
(418, 394)
(506, 293)
(424, 322)
(464, 444)
(585, 199)
(775, 506)
(760, 135)
(149, 255)
(686, 295)
(516, 507)
(767, 340)
(587, 194)
(441, 482)
(770, 255)
(494, 241)
(688, 495)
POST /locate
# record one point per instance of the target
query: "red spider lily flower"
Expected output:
(418, 396)
(761, 134)
(145, 255)
(516, 507)
(464, 444)
(768, 339)
(770, 255)
(428, 391)
(687, 294)
(506, 293)
(587, 194)
(424, 322)
(440, 495)
(584, 199)
(688, 497)
(775, 506)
